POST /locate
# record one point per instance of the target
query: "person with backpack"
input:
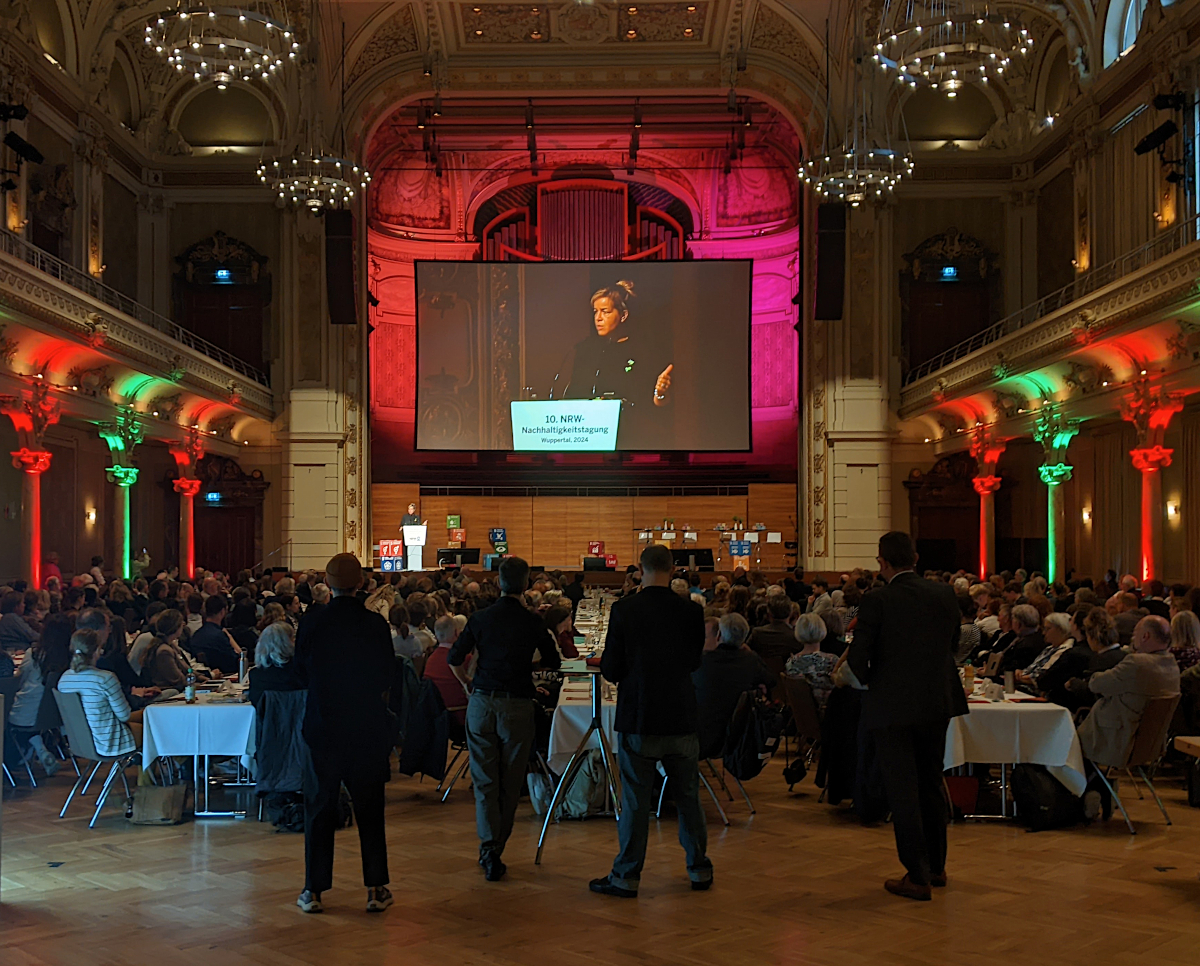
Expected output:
(655, 641)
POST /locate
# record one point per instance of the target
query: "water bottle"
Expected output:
(242, 669)
(189, 690)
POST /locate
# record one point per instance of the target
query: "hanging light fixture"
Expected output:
(863, 166)
(222, 44)
(944, 44)
(313, 178)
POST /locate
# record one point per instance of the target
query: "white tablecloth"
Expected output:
(204, 728)
(1018, 731)
(571, 720)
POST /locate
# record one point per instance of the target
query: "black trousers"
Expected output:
(910, 759)
(321, 819)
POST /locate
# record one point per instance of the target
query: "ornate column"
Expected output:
(1055, 434)
(32, 413)
(122, 435)
(1150, 410)
(187, 454)
(987, 451)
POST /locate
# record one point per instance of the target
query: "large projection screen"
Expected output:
(584, 357)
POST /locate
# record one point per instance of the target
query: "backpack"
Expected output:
(753, 736)
(589, 791)
(1042, 801)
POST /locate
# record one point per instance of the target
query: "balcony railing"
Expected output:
(1084, 284)
(69, 275)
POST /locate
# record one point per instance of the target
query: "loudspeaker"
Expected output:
(831, 261)
(339, 267)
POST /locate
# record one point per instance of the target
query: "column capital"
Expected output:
(122, 475)
(986, 485)
(987, 450)
(186, 486)
(35, 461)
(1151, 459)
(1053, 474)
(1150, 409)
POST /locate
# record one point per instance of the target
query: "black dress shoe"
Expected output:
(606, 887)
(493, 868)
(703, 886)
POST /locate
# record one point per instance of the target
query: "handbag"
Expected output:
(158, 804)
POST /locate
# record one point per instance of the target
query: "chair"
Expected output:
(48, 724)
(1149, 744)
(805, 715)
(458, 745)
(79, 737)
(282, 758)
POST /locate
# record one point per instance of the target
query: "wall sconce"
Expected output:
(1173, 509)
(1087, 515)
(90, 515)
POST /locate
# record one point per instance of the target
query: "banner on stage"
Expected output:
(566, 425)
(458, 534)
(739, 548)
(391, 548)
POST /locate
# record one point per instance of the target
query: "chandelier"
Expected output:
(944, 44)
(315, 181)
(222, 44)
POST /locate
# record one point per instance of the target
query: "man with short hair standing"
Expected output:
(655, 641)
(903, 651)
(500, 713)
(345, 657)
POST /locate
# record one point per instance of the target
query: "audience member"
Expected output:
(724, 675)
(275, 668)
(1185, 639)
(810, 662)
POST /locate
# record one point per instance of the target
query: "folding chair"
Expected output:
(79, 736)
(805, 716)
(1149, 744)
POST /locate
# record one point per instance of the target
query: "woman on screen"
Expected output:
(621, 361)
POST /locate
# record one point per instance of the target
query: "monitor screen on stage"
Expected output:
(583, 357)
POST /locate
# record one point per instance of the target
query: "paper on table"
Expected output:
(750, 536)
(773, 537)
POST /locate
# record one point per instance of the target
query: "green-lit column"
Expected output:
(1054, 476)
(124, 477)
(1055, 432)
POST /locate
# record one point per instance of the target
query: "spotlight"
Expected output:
(437, 104)
(731, 100)
(742, 59)
(1152, 141)
(529, 113)
(22, 148)
(13, 112)
(637, 112)
(1169, 102)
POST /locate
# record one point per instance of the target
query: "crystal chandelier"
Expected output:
(864, 166)
(944, 44)
(314, 180)
(222, 44)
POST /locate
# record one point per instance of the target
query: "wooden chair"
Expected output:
(1149, 743)
(79, 737)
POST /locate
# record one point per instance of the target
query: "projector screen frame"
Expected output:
(568, 455)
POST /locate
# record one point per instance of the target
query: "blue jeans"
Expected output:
(499, 739)
(679, 755)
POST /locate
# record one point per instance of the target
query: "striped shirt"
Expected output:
(106, 709)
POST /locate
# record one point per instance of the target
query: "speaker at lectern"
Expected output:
(414, 543)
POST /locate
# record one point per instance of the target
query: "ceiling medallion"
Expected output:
(222, 44)
(314, 181)
(944, 44)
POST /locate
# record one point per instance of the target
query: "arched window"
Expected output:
(1121, 26)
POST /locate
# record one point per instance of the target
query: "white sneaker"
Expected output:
(379, 898)
(309, 901)
(1091, 804)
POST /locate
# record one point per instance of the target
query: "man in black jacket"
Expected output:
(501, 714)
(776, 641)
(655, 641)
(903, 650)
(345, 656)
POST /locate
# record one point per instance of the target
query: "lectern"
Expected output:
(414, 543)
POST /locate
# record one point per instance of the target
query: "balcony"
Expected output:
(53, 292)
(1156, 277)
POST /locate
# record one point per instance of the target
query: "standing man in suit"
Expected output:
(345, 659)
(655, 641)
(501, 711)
(903, 650)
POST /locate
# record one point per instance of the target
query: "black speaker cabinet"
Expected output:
(831, 261)
(339, 267)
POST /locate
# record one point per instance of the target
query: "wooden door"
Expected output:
(225, 537)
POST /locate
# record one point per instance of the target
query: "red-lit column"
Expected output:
(187, 490)
(986, 487)
(33, 463)
(1150, 461)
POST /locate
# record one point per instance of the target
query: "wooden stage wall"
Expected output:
(553, 532)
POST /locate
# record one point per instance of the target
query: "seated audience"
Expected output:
(1056, 632)
(560, 628)
(274, 662)
(810, 662)
(725, 673)
(1185, 639)
(1106, 651)
(835, 634)
(775, 640)
(1027, 642)
(15, 633)
(454, 693)
(212, 644)
(969, 633)
(41, 668)
(104, 703)
(1106, 734)
(1123, 608)
(165, 660)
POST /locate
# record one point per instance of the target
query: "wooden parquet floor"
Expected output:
(798, 883)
